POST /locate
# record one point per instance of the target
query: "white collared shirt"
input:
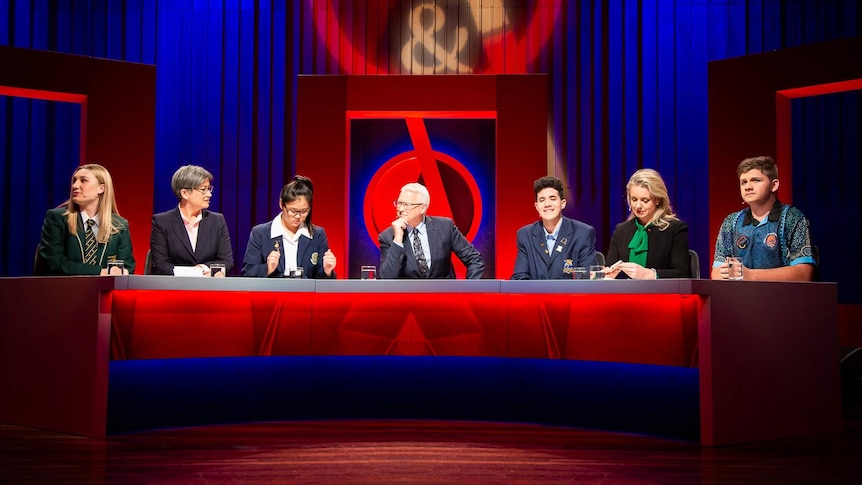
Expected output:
(552, 237)
(192, 227)
(289, 241)
(95, 218)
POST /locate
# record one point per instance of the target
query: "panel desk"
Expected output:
(764, 355)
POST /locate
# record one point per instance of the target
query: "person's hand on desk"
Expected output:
(613, 270)
(205, 270)
(638, 272)
(114, 272)
(734, 266)
(632, 270)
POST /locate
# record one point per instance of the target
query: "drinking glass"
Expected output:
(734, 267)
(597, 272)
(116, 267)
(368, 273)
(295, 273)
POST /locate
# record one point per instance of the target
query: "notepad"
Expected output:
(188, 271)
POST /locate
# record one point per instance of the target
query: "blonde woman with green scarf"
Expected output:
(652, 243)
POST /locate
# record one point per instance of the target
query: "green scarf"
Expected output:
(639, 244)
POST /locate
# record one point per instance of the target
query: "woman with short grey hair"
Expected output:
(190, 235)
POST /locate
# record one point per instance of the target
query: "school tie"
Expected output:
(420, 254)
(90, 245)
(551, 242)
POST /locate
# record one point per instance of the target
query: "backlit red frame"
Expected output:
(325, 105)
(750, 114)
(118, 113)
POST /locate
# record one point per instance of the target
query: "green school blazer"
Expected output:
(62, 252)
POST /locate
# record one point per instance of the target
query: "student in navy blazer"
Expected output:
(438, 237)
(551, 247)
(290, 241)
(652, 243)
(189, 234)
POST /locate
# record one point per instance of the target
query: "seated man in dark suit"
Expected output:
(189, 234)
(551, 247)
(426, 251)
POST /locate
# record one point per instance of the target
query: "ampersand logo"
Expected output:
(434, 36)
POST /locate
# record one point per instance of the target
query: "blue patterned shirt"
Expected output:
(782, 239)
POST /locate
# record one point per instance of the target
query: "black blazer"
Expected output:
(444, 238)
(667, 250)
(170, 245)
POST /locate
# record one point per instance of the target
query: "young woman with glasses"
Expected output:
(290, 246)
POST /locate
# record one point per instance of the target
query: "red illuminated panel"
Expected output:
(166, 324)
(646, 329)
(325, 105)
(756, 115)
(108, 91)
(410, 324)
(649, 329)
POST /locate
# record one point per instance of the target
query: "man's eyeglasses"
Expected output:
(406, 205)
(294, 212)
(205, 190)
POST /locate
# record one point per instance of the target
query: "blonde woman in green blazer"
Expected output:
(63, 234)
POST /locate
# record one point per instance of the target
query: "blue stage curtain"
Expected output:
(827, 161)
(226, 83)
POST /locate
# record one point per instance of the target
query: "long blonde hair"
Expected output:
(652, 181)
(107, 204)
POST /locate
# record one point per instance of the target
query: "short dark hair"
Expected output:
(548, 182)
(299, 187)
(764, 164)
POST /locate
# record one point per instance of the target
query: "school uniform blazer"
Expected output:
(62, 253)
(576, 242)
(309, 253)
(170, 245)
(667, 250)
(444, 238)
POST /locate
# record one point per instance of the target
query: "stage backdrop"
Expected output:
(627, 84)
(454, 157)
(477, 142)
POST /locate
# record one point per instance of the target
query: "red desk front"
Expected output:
(399, 318)
(767, 352)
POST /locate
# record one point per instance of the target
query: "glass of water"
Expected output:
(116, 267)
(295, 273)
(368, 273)
(734, 268)
(597, 272)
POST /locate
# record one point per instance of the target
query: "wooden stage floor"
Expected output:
(339, 452)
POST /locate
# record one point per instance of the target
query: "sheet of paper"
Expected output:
(187, 271)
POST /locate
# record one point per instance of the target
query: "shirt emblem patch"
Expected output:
(771, 240)
(742, 242)
(568, 266)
